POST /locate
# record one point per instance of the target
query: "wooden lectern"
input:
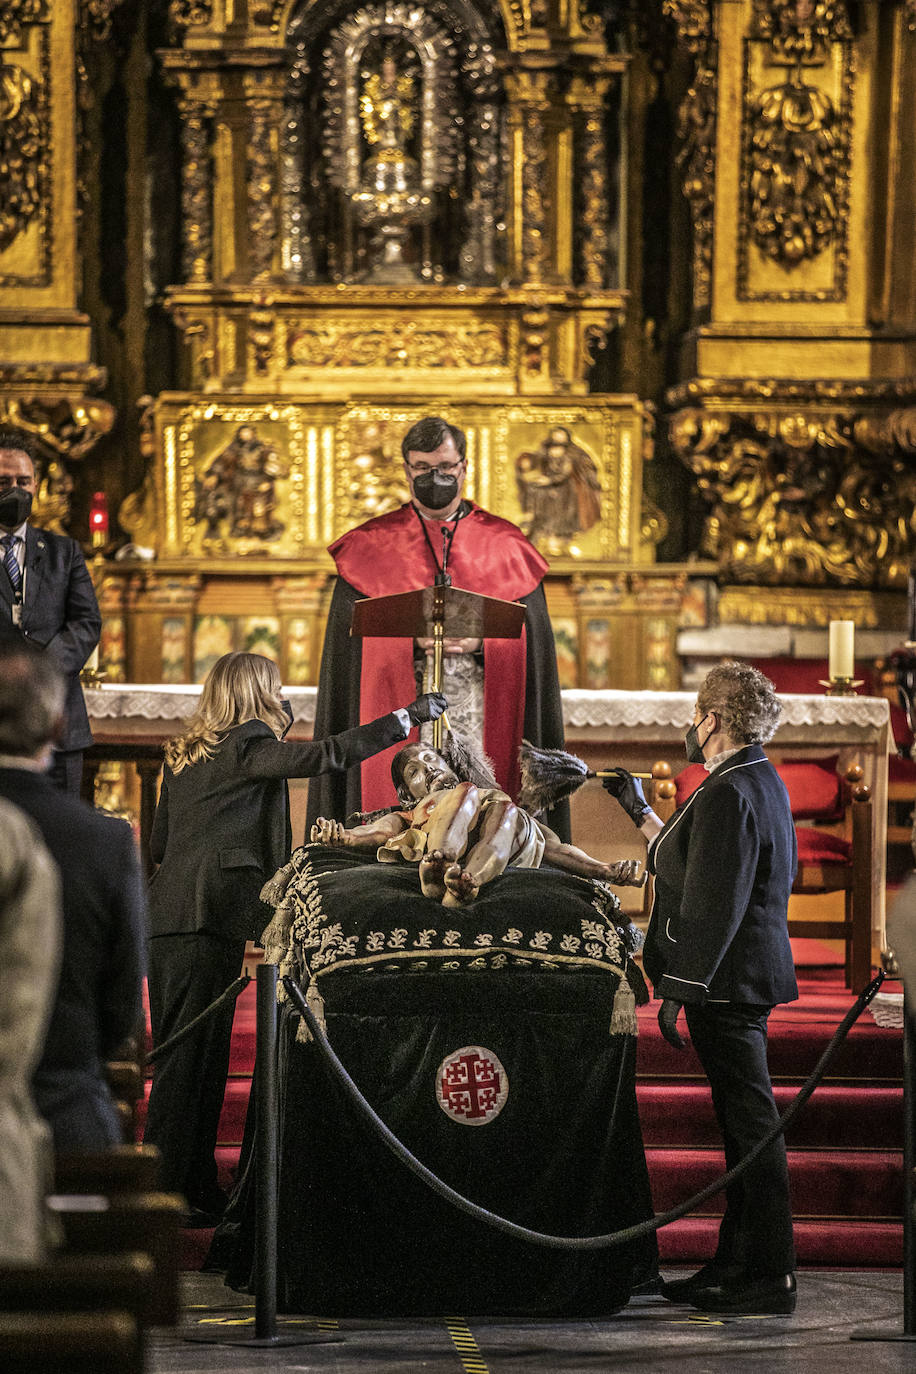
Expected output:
(440, 613)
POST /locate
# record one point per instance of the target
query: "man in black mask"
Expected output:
(499, 691)
(46, 597)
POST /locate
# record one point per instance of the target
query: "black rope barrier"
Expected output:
(613, 1238)
(230, 994)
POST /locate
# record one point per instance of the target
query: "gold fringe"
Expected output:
(623, 1016)
(315, 1003)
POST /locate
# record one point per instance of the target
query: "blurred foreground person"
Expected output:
(98, 997)
(221, 829)
(718, 946)
(30, 937)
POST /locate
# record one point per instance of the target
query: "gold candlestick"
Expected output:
(841, 686)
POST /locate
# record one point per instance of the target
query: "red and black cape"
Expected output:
(361, 679)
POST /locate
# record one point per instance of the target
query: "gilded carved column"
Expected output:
(531, 209)
(263, 205)
(587, 99)
(696, 156)
(196, 190)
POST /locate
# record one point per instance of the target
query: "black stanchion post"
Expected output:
(266, 1171)
(909, 1164)
(265, 1221)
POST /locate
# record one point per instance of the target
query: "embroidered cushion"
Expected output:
(338, 914)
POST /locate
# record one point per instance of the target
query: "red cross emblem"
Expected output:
(472, 1086)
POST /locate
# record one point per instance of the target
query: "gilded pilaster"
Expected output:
(196, 189)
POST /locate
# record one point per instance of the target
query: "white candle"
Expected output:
(92, 662)
(841, 639)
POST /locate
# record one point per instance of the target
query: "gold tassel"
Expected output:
(315, 1003)
(623, 1016)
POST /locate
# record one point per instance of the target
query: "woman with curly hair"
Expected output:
(718, 946)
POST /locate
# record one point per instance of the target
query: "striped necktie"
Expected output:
(11, 562)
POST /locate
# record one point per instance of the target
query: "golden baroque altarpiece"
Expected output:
(387, 209)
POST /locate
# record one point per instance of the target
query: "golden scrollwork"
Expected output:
(798, 158)
(16, 15)
(23, 152)
(791, 501)
(95, 17)
(399, 345)
(187, 13)
(801, 30)
(68, 427)
(692, 20)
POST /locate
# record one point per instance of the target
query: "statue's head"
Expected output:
(434, 461)
(417, 770)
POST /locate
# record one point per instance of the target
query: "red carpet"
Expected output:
(845, 1149)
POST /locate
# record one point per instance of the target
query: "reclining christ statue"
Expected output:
(462, 835)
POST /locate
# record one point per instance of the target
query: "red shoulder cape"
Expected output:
(489, 555)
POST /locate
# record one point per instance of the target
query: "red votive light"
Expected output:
(98, 519)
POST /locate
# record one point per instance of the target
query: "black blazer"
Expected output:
(222, 826)
(60, 613)
(724, 867)
(98, 998)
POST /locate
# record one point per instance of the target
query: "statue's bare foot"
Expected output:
(461, 887)
(432, 874)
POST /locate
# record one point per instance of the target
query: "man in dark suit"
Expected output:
(46, 596)
(718, 946)
(98, 997)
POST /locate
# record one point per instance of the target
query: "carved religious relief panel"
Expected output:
(282, 481)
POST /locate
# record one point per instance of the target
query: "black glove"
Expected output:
(429, 706)
(628, 791)
(668, 1013)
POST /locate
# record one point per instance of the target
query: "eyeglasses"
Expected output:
(449, 469)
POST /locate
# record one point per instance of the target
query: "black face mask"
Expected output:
(435, 490)
(15, 506)
(692, 744)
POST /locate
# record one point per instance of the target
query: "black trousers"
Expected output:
(756, 1230)
(186, 974)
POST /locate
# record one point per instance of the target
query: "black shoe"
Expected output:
(771, 1296)
(196, 1219)
(712, 1275)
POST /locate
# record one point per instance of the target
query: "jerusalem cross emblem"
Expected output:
(472, 1086)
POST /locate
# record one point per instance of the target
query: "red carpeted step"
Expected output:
(830, 1242)
(825, 1183)
(681, 1113)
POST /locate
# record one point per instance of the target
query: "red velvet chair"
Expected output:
(833, 826)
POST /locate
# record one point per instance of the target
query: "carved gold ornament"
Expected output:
(22, 152)
(405, 345)
(16, 15)
(797, 163)
(792, 500)
(801, 30)
(185, 13)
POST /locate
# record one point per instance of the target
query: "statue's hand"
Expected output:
(329, 832)
(627, 873)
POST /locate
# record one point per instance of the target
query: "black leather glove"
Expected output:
(668, 1013)
(628, 791)
(429, 706)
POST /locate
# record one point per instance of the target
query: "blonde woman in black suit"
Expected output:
(222, 829)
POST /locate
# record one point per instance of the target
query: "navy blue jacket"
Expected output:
(724, 867)
(60, 613)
